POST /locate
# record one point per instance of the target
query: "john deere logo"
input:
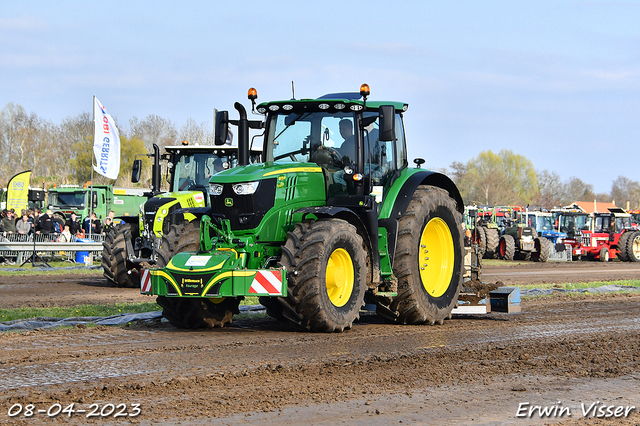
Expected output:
(228, 202)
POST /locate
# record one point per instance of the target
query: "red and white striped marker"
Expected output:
(145, 281)
(269, 282)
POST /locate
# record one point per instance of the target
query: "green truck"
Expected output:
(332, 219)
(64, 199)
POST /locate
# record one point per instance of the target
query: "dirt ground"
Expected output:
(563, 354)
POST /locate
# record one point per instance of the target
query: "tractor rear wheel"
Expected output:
(326, 274)
(183, 312)
(493, 240)
(507, 247)
(633, 247)
(622, 246)
(542, 250)
(115, 265)
(429, 258)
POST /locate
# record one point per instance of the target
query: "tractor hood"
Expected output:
(156, 209)
(263, 171)
(264, 197)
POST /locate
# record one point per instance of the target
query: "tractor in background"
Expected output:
(136, 240)
(611, 236)
(573, 222)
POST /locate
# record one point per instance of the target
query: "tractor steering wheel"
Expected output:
(326, 155)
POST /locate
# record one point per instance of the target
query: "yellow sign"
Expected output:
(18, 191)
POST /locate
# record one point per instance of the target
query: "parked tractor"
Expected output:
(334, 218)
(188, 170)
(491, 222)
(612, 235)
(572, 222)
(544, 224)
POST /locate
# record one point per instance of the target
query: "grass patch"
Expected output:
(28, 269)
(580, 285)
(77, 311)
(91, 310)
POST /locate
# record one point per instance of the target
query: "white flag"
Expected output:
(106, 142)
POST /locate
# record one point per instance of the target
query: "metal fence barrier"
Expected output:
(19, 247)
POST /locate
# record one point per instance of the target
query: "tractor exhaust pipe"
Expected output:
(243, 135)
(156, 170)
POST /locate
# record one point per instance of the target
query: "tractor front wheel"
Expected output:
(326, 274)
(115, 265)
(604, 254)
(507, 247)
(183, 312)
(429, 258)
(542, 250)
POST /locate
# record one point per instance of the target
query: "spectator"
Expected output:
(73, 224)
(65, 235)
(92, 225)
(24, 226)
(108, 224)
(8, 222)
(45, 223)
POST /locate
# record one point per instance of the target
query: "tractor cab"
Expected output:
(359, 145)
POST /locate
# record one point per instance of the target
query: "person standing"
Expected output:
(23, 225)
(45, 223)
(73, 224)
(8, 222)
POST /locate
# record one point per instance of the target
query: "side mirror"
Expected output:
(95, 200)
(387, 123)
(221, 127)
(136, 170)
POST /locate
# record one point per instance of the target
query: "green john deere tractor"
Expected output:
(332, 219)
(189, 168)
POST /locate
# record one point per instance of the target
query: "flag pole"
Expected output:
(93, 137)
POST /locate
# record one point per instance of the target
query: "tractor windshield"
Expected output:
(297, 137)
(192, 171)
(573, 224)
(544, 223)
(65, 200)
(329, 140)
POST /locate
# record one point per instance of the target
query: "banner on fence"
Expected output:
(18, 191)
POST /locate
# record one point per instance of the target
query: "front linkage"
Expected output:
(224, 266)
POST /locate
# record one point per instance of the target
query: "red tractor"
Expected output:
(611, 236)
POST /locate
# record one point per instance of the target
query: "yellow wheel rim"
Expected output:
(436, 257)
(635, 248)
(340, 277)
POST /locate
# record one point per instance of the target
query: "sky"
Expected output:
(557, 82)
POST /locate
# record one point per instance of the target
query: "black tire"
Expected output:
(507, 247)
(183, 312)
(493, 240)
(604, 254)
(429, 233)
(542, 250)
(312, 251)
(622, 246)
(115, 265)
(482, 240)
(633, 247)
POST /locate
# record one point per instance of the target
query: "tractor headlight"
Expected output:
(215, 189)
(247, 188)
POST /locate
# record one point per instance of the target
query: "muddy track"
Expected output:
(472, 370)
